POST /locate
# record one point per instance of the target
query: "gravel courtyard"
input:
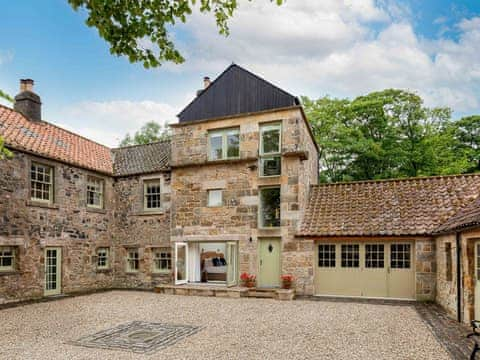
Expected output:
(233, 328)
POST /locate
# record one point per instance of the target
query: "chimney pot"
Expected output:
(206, 82)
(26, 85)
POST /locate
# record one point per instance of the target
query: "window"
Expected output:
(133, 260)
(95, 192)
(151, 194)
(351, 256)
(326, 255)
(448, 261)
(374, 256)
(41, 183)
(270, 207)
(7, 258)
(270, 150)
(215, 198)
(102, 258)
(162, 260)
(224, 144)
(400, 256)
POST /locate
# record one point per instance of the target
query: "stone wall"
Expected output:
(446, 292)
(144, 230)
(66, 223)
(193, 176)
(426, 268)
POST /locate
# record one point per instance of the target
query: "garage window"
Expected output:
(351, 255)
(374, 256)
(326, 255)
(400, 256)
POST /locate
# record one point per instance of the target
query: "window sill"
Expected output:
(104, 270)
(148, 213)
(161, 273)
(9, 272)
(45, 205)
(96, 210)
(129, 272)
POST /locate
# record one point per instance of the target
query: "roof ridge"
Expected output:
(413, 178)
(139, 145)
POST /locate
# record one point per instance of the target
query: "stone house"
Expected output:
(235, 190)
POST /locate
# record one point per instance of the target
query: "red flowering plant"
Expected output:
(247, 279)
(287, 281)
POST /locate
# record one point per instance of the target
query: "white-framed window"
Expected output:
(350, 255)
(215, 197)
(103, 258)
(270, 149)
(152, 194)
(224, 144)
(326, 255)
(400, 256)
(95, 188)
(162, 260)
(133, 260)
(41, 183)
(7, 258)
(269, 210)
(375, 256)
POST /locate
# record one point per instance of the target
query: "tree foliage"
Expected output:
(127, 25)
(5, 96)
(390, 134)
(149, 133)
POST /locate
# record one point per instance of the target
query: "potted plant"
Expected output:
(287, 281)
(248, 280)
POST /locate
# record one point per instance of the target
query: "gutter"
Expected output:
(459, 277)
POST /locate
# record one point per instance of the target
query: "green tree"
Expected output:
(149, 133)
(467, 133)
(127, 24)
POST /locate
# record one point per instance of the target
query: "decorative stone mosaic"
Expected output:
(138, 336)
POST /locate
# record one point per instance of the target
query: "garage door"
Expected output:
(369, 269)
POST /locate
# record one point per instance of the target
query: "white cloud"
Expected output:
(341, 48)
(6, 56)
(108, 122)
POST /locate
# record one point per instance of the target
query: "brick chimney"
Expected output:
(27, 102)
(206, 82)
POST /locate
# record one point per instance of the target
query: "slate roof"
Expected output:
(467, 217)
(414, 206)
(53, 142)
(236, 91)
(139, 159)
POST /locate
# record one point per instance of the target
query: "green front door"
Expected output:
(269, 262)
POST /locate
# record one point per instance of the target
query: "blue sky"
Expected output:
(308, 47)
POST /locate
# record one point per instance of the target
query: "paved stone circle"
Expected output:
(138, 336)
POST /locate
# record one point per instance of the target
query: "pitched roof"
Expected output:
(467, 217)
(414, 206)
(51, 141)
(236, 91)
(139, 159)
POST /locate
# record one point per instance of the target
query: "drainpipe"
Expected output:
(459, 277)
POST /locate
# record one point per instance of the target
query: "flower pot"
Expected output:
(287, 285)
(250, 284)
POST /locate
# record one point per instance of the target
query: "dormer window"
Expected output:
(270, 149)
(224, 144)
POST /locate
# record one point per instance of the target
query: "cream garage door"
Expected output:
(368, 269)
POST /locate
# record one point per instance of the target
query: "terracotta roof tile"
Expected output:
(414, 206)
(467, 217)
(53, 142)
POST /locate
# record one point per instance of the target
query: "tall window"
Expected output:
(95, 192)
(162, 260)
(151, 194)
(224, 144)
(133, 260)
(400, 256)
(270, 149)
(270, 207)
(41, 183)
(102, 258)
(7, 258)
(448, 261)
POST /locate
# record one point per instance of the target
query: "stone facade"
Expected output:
(193, 175)
(425, 269)
(67, 223)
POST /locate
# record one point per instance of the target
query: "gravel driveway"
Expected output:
(234, 328)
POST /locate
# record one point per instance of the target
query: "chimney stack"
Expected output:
(27, 102)
(206, 82)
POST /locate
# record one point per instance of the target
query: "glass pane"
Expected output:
(233, 145)
(214, 197)
(351, 255)
(270, 207)
(270, 166)
(215, 146)
(181, 262)
(374, 256)
(326, 255)
(271, 140)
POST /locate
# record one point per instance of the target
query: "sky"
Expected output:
(307, 47)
